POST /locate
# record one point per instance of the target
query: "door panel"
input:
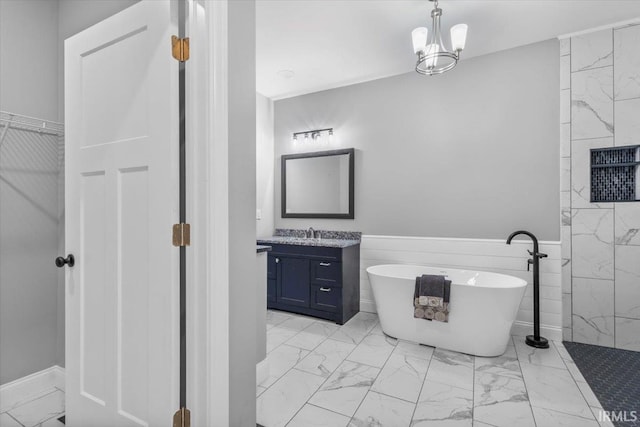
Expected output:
(133, 292)
(94, 251)
(293, 281)
(122, 304)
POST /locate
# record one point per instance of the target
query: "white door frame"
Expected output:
(207, 312)
(216, 394)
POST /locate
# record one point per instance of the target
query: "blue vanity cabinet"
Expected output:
(271, 279)
(317, 281)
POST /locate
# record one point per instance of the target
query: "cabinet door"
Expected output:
(271, 290)
(272, 267)
(293, 281)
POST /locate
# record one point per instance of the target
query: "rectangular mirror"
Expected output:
(318, 185)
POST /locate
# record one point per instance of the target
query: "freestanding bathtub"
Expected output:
(482, 308)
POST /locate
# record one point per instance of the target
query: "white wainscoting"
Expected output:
(474, 254)
(24, 389)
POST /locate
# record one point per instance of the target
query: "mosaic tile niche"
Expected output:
(600, 114)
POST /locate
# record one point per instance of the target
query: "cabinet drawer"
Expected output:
(326, 273)
(326, 298)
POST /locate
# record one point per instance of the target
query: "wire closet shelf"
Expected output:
(29, 124)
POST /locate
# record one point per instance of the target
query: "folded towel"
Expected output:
(431, 298)
(430, 290)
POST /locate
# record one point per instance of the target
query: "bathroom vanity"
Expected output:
(315, 277)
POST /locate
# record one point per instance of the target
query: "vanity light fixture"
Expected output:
(433, 58)
(315, 134)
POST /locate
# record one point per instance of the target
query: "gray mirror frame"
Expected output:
(283, 187)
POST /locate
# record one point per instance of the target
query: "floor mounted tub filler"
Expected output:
(482, 308)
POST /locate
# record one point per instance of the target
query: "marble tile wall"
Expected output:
(600, 107)
(565, 187)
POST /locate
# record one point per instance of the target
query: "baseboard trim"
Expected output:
(30, 387)
(368, 306)
(523, 328)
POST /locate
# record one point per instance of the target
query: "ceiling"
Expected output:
(306, 46)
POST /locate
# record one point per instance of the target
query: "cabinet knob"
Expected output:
(325, 289)
(277, 260)
(325, 264)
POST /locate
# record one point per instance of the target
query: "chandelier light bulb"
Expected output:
(419, 38)
(432, 54)
(458, 37)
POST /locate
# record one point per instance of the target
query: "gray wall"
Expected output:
(29, 65)
(28, 189)
(471, 153)
(264, 165)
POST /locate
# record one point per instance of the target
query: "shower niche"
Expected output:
(615, 174)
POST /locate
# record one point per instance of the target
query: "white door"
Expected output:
(122, 306)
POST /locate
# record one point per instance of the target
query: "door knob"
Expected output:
(70, 260)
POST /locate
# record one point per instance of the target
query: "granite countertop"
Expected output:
(301, 241)
(262, 248)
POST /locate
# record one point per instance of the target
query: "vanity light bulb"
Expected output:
(295, 138)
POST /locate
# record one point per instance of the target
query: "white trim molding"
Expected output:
(615, 25)
(30, 387)
(522, 329)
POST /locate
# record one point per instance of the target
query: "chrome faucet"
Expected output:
(311, 233)
(534, 340)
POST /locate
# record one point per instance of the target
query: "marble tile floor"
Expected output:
(43, 411)
(326, 375)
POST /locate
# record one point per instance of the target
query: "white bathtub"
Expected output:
(482, 309)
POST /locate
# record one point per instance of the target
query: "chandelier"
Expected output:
(433, 58)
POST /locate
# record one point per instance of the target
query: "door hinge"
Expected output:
(181, 234)
(182, 418)
(180, 48)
